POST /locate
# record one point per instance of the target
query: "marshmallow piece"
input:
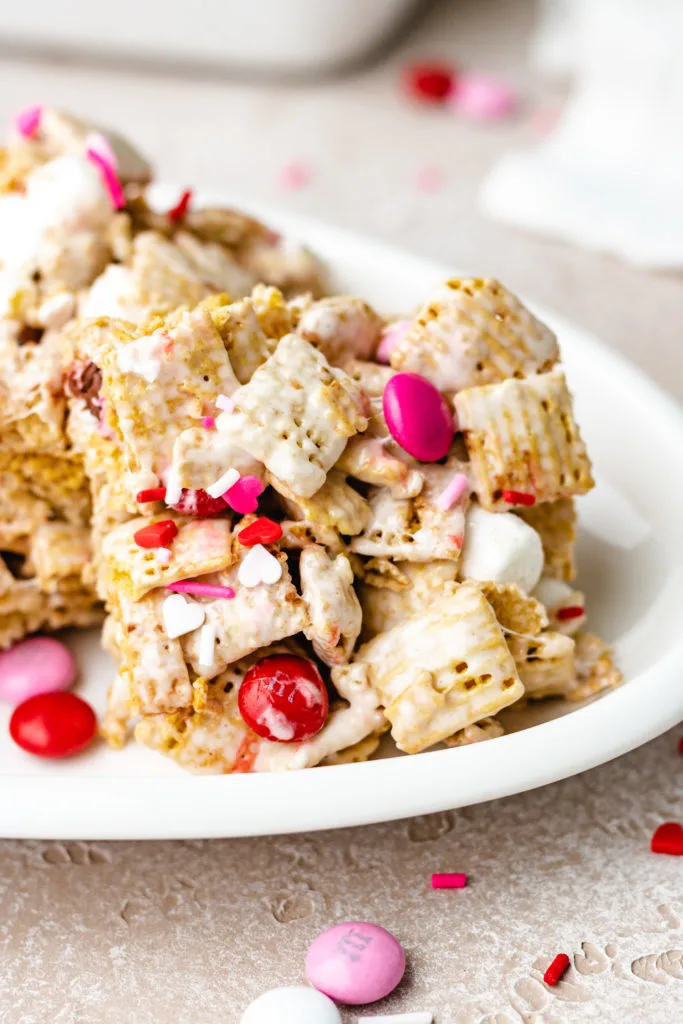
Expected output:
(502, 548)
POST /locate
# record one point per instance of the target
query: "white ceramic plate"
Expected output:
(630, 565)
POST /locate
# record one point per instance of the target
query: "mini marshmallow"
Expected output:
(502, 548)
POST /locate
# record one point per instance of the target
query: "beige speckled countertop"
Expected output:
(190, 932)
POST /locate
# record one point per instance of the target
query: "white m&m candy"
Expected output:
(292, 1005)
(501, 547)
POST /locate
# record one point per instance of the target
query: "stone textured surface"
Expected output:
(189, 933)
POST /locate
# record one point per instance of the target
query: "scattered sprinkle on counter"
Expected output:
(556, 969)
(449, 880)
(668, 838)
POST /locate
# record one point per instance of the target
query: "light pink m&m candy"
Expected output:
(38, 665)
(483, 97)
(418, 416)
(355, 963)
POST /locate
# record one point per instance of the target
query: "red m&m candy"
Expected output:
(53, 725)
(284, 698)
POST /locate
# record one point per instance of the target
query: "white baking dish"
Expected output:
(265, 35)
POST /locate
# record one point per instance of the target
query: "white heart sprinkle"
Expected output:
(181, 615)
(223, 484)
(141, 357)
(207, 645)
(164, 556)
(259, 566)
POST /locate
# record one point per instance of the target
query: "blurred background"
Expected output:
(553, 162)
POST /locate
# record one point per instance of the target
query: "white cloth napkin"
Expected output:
(610, 177)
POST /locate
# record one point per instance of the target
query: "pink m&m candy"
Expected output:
(38, 665)
(355, 963)
(418, 416)
(483, 97)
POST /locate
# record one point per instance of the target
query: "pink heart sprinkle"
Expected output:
(243, 496)
(391, 336)
(208, 422)
(27, 122)
(111, 180)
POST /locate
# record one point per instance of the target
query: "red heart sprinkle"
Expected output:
(151, 494)
(429, 83)
(156, 535)
(180, 209)
(668, 838)
(572, 611)
(261, 531)
(519, 498)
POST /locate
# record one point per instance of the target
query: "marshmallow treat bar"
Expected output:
(78, 242)
(299, 547)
